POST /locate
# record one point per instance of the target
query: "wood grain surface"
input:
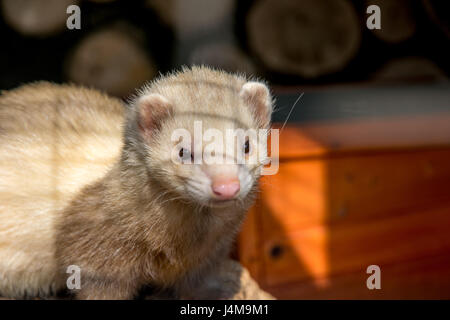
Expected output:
(350, 194)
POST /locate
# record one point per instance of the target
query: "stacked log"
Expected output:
(194, 16)
(110, 60)
(36, 17)
(284, 41)
(409, 69)
(226, 56)
(397, 20)
(307, 38)
(438, 13)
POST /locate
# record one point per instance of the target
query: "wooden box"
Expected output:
(349, 195)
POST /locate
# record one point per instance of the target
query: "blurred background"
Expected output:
(121, 44)
(365, 158)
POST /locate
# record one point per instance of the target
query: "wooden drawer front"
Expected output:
(322, 219)
(327, 251)
(309, 193)
(426, 278)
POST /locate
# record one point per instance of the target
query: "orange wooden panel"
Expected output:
(249, 243)
(424, 278)
(325, 251)
(349, 195)
(345, 189)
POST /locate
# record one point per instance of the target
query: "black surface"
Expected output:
(370, 102)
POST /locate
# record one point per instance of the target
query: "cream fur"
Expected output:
(53, 141)
(76, 188)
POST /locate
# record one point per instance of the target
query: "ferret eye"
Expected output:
(247, 147)
(185, 154)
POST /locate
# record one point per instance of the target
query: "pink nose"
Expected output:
(225, 189)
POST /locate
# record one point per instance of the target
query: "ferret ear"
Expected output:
(153, 109)
(257, 96)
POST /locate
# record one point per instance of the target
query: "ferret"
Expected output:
(91, 182)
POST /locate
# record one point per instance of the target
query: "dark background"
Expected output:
(30, 57)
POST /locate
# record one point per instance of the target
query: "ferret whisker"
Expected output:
(171, 200)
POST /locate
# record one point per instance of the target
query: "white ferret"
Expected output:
(86, 181)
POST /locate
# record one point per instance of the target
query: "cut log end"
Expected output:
(397, 20)
(223, 56)
(36, 17)
(111, 61)
(307, 38)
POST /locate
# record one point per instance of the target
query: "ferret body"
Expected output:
(54, 140)
(85, 182)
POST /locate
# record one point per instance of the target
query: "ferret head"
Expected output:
(203, 134)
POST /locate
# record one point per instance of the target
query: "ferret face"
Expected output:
(211, 162)
(205, 135)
